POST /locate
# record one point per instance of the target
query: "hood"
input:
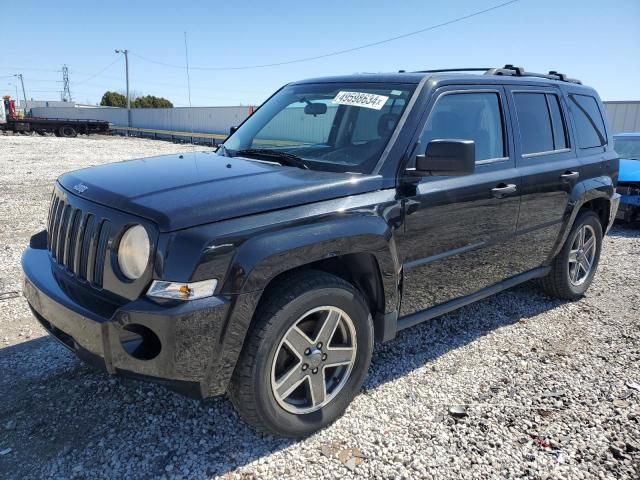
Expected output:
(629, 170)
(180, 191)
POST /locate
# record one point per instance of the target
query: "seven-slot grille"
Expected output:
(77, 240)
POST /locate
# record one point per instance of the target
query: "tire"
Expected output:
(68, 131)
(562, 281)
(267, 362)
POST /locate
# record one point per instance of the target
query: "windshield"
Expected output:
(628, 148)
(330, 126)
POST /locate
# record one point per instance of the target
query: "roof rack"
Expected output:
(444, 70)
(508, 70)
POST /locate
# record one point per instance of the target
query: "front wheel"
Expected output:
(306, 356)
(572, 271)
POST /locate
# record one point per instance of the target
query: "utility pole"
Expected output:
(66, 91)
(126, 66)
(24, 95)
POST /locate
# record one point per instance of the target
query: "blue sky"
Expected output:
(594, 40)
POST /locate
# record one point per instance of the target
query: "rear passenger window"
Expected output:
(542, 126)
(468, 116)
(589, 123)
(536, 133)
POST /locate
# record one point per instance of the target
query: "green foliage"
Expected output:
(150, 101)
(113, 99)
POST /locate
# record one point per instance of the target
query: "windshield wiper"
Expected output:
(283, 158)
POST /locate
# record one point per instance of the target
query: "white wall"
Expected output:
(623, 116)
(182, 119)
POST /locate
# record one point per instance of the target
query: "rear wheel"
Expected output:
(572, 271)
(306, 356)
(68, 131)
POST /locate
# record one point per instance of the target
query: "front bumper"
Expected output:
(629, 202)
(615, 204)
(196, 354)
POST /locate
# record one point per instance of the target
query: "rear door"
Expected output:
(459, 231)
(547, 161)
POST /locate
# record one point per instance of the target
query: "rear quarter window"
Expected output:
(588, 121)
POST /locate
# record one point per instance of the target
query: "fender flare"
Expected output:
(582, 193)
(261, 259)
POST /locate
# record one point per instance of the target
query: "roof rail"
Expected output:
(444, 70)
(511, 70)
(508, 70)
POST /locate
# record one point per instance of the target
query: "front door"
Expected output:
(459, 231)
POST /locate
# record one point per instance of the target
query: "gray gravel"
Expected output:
(515, 386)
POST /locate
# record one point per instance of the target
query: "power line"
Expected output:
(99, 72)
(337, 52)
(30, 68)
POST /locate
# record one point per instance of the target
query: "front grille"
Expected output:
(628, 189)
(77, 240)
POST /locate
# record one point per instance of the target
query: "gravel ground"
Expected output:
(544, 388)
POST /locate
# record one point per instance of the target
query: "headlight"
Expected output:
(133, 252)
(182, 291)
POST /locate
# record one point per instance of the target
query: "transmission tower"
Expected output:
(66, 91)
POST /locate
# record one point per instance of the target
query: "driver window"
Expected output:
(467, 116)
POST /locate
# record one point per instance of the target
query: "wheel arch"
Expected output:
(595, 195)
(600, 206)
(359, 269)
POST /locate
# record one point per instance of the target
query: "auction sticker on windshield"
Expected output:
(359, 99)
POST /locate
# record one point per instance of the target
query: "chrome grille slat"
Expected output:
(101, 250)
(77, 251)
(62, 232)
(72, 232)
(55, 223)
(91, 257)
(88, 233)
(52, 209)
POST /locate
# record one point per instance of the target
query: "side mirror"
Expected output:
(447, 158)
(232, 130)
(315, 109)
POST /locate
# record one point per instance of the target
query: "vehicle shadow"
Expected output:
(60, 415)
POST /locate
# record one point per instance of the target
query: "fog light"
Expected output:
(182, 291)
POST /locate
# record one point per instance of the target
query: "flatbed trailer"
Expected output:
(61, 127)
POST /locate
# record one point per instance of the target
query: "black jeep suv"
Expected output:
(342, 211)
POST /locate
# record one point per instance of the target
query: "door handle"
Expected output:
(503, 189)
(568, 175)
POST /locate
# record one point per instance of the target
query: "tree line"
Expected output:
(115, 99)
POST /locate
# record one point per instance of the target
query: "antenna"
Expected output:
(66, 91)
(186, 58)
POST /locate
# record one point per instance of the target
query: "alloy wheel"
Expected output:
(582, 255)
(313, 360)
